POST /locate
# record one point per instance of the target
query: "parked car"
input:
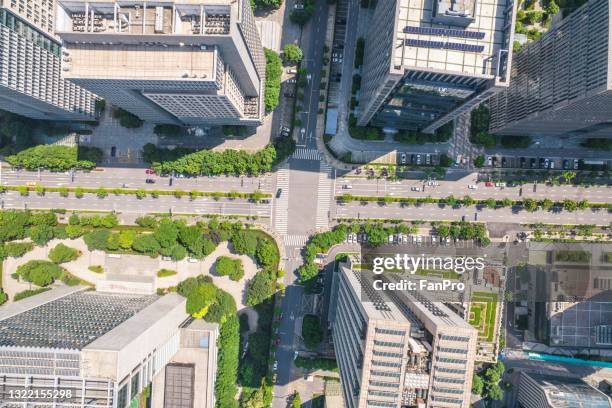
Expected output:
(472, 186)
(279, 192)
(149, 181)
(489, 161)
(415, 189)
(403, 158)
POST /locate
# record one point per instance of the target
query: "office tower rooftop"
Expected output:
(30, 65)
(561, 83)
(551, 391)
(185, 61)
(395, 349)
(436, 60)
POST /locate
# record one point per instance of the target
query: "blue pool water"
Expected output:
(568, 360)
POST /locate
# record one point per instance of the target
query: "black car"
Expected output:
(504, 162)
(566, 164)
(533, 162)
(150, 181)
(541, 163)
(279, 192)
(523, 160)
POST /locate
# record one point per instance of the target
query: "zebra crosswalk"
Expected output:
(281, 204)
(306, 154)
(295, 240)
(324, 195)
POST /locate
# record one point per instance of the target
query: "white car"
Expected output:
(490, 161)
(500, 184)
(391, 238)
(403, 158)
(418, 159)
(275, 365)
(415, 188)
(347, 187)
(472, 187)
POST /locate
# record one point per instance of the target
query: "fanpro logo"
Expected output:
(411, 264)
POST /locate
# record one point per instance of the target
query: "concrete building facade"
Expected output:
(561, 83)
(30, 65)
(428, 61)
(398, 349)
(97, 349)
(192, 62)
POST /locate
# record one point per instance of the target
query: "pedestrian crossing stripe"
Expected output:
(306, 154)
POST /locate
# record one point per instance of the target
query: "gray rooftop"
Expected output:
(569, 392)
(67, 319)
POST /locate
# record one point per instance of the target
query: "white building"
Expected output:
(194, 62)
(96, 348)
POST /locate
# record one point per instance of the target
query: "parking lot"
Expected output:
(418, 159)
(535, 162)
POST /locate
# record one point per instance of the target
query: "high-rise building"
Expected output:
(428, 61)
(102, 349)
(561, 83)
(30, 65)
(398, 349)
(185, 62)
(551, 391)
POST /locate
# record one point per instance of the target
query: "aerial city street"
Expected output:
(305, 203)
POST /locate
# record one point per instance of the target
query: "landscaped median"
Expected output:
(103, 192)
(529, 204)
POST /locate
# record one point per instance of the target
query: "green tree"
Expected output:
(259, 288)
(274, 71)
(40, 273)
(101, 192)
(126, 238)
(296, 402)
(96, 240)
(226, 266)
(312, 333)
(477, 385)
(479, 161)
(468, 201)
(227, 363)
(166, 233)
(570, 205)
(583, 204)
(450, 201)
(530, 204)
(74, 231)
(40, 234)
(62, 253)
(267, 254)
(17, 249)
(495, 392)
(546, 204)
(506, 202)
(491, 203)
(293, 53)
(245, 243)
(146, 243)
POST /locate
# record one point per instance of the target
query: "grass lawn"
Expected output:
(439, 273)
(482, 314)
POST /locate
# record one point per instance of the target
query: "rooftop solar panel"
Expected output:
(448, 45)
(446, 32)
(72, 321)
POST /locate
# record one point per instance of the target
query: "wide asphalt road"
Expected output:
(436, 212)
(110, 177)
(459, 188)
(131, 204)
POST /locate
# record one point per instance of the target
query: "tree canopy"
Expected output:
(293, 53)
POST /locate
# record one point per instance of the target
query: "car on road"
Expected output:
(279, 192)
(489, 184)
(298, 6)
(489, 161)
(552, 164)
(523, 160)
(149, 181)
(418, 160)
(504, 162)
(546, 163)
(291, 71)
(575, 164)
(448, 241)
(291, 81)
(428, 159)
(419, 239)
(391, 238)
(475, 216)
(403, 158)
(275, 365)
(289, 95)
(347, 187)
(295, 354)
(472, 186)
(500, 184)
(414, 188)
(302, 132)
(565, 164)
(532, 162)
(150, 171)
